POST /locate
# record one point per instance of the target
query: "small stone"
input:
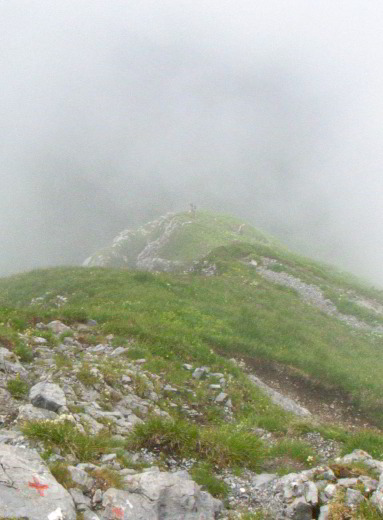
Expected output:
(200, 372)
(79, 498)
(330, 491)
(300, 510)
(369, 483)
(187, 366)
(215, 387)
(81, 478)
(323, 513)
(347, 482)
(353, 497)
(109, 457)
(168, 388)
(221, 397)
(118, 351)
(90, 515)
(58, 327)
(97, 497)
(39, 341)
(126, 379)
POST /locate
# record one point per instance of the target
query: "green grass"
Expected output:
(61, 473)
(86, 377)
(65, 436)
(293, 449)
(369, 441)
(204, 475)
(222, 446)
(17, 388)
(188, 318)
(367, 511)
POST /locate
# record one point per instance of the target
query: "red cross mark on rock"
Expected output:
(118, 512)
(40, 488)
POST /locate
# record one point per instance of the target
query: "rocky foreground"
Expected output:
(154, 487)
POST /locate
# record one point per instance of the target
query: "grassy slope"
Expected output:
(192, 240)
(205, 232)
(185, 317)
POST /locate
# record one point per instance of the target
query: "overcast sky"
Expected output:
(114, 112)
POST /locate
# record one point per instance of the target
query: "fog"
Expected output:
(114, 112)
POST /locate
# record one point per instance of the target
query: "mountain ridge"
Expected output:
(253, 369)
(174, 241)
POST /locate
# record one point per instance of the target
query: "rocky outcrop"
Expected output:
(28, 489)
(311, 294)
(140, 248)
(312, 493)
(173, 242)
(157, 495)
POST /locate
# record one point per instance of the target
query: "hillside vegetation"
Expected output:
(245, 305)
(174, 241)
(235, 313)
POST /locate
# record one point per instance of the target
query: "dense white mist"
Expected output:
(113, 112)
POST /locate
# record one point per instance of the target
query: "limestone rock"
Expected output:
(47, 395)
(353, 497)
(155, 495)
(28, 412)
(28, 489)
(58, 327)
(81, 478)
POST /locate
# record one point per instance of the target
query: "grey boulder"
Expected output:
(155, 495)
(58, 327)
(47, 395)
(28, 489)
(28, 412)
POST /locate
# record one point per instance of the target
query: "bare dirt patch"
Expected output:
(327, 404)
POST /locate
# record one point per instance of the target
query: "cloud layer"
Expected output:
(112, 113)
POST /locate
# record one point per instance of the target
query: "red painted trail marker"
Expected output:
(40, 488)
(118, 512)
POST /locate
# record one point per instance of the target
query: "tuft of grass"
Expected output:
(86, 377)
(366, 440)
(140, 385)
(293, 449)
(49, 336)
(220, 445)
(367, 511)
(24, 353)
(107, 478)
(17, 387)
(353, 470)
(63, 361)
(61, 473)
(204, 475)
(339, 511)
(65, 436)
